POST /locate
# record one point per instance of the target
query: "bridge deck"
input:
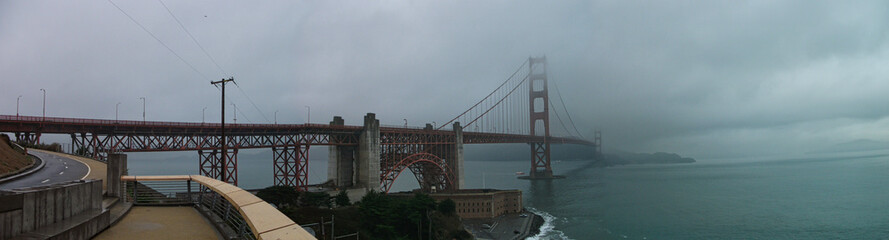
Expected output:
(161, 223)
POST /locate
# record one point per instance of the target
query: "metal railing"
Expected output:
(164, 124)
(244, 214)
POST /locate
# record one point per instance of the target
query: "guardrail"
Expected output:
(249, 216)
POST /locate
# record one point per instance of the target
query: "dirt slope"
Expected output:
(10, 159)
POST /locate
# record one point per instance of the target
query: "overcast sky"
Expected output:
(700, 78)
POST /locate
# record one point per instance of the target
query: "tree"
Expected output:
(279, 195)
(447, 207)
(315, 199)
(342, 199)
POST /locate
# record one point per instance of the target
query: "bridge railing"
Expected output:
(245, 214)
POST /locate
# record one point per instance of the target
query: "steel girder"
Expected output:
(212, 165)
(291, 166)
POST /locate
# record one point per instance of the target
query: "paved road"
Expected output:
(57, 169)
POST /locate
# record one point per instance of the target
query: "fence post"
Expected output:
(135, 187)
(188, 186)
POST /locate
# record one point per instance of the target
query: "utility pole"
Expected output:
(222, 140)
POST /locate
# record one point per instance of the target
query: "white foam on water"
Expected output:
(547, 229)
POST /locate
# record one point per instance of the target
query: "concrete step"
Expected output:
(80, 226)
(108, 202)
(118, 210)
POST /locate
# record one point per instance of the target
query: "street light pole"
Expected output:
(115, 111)
(143, 109)
(235, 111)
(17, 100)
(276, 116)
(405, 122)
(308, 114)
(202, 114)
(44, 103)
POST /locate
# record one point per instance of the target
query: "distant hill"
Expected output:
(566, 152)
(624, 158)
(855, 146)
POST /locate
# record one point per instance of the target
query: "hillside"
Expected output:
(10, 159)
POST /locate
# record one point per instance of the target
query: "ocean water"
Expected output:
(826, 196)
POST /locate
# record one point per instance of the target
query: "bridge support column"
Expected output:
(457, 157)
(27, 138)
(368, 164)
(291, 166)
(539, 111)
(341, 161)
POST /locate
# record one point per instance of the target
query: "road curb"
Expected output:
(33, 169)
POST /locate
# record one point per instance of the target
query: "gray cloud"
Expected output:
(705, 78)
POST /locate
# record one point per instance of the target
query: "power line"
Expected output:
(252, 103)
(158, 40)
(192, 38)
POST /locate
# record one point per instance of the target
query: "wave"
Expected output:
(547, 229)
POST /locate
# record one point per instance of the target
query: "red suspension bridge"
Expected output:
(367, 156)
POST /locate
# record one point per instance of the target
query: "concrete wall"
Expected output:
(483, 203)
(116, 167)
(54, 211)
(368, 164)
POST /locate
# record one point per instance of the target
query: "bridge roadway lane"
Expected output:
(57, 169)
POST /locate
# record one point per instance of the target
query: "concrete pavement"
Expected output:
(161, 223)
(56, 169)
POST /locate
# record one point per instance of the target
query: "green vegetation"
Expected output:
(342, 199)
(55, 147)
(447, 207)
(279, 195)
(376, 216)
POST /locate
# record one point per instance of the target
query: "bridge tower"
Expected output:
(539, 118)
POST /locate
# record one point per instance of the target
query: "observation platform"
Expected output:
(161, 223)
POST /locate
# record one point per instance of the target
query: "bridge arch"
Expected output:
(429, 169)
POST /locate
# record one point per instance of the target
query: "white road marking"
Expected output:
(44, 181)
(60, 173)
(66, 166)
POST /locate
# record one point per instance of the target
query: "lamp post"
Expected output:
(235, 111)
(143, 109)
(276, 116)
(405, 122)
(308, 114)
(116, 111)
(203, 111)
(44, 103)
(17, 100)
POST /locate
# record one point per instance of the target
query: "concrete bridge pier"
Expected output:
(351, 167)
(368, 164)
(457, 154)
(341, 162)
